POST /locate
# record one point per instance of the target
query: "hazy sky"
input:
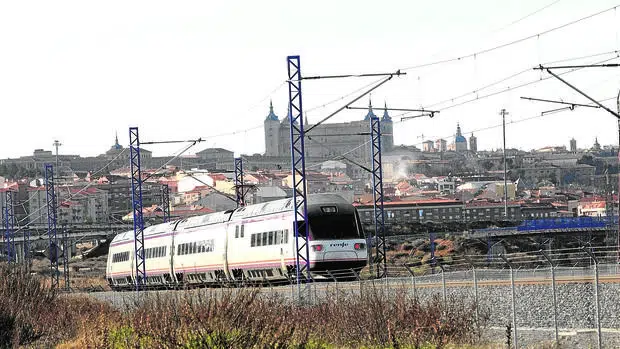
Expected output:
(81, 71)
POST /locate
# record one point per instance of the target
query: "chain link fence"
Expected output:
(571, 296)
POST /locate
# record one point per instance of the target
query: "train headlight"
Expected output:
(359, 246)
(317, 248)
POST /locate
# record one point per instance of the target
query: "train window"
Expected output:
(270, 241)
(277, 237)
(264, 239)
(253, 240)
(236, 231)
(286, 236)
(333, 226)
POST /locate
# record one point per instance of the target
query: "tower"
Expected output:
(573, 145)
(473, 143)
(597, 146)
(284, 136)
(370, 114)
(387, 129)
(272, 136)
(460, 143)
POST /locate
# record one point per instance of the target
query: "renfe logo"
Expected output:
(342, 244)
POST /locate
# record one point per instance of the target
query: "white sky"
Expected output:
(80, 71)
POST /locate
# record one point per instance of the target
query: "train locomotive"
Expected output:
(254, 243)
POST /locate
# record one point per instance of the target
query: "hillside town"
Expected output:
(554, 181)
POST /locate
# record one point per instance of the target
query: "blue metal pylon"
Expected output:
(239, 182)
(165, 202)
(377, 195)
(9, 232)
(298, 161)
(51, 224)
(136, 200)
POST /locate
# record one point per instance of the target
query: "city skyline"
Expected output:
(184, 72)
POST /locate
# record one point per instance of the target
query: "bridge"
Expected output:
(74, 231)
(550, 226)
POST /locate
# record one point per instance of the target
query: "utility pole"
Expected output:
(614, 113)
(57, 144)
(618, 174)
(503, 113)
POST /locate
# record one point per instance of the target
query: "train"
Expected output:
(250, 244)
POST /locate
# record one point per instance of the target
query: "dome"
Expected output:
(460, 139)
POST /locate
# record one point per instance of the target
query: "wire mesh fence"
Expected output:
(543, 295)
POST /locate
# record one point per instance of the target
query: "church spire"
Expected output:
(370, 114)
(386, 116)
(116, 145)
(271, 116)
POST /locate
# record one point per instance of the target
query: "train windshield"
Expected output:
(334, 226)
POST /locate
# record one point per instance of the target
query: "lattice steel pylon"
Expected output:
(377, 195)
(165, 202)
(298, 164)
(51, 224)
(9, 232)
(137, 206)
(239, 192)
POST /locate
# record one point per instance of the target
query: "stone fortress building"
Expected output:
(328, 140)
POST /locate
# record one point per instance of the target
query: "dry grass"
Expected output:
(32, 315)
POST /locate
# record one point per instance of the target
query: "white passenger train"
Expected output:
(252, 243)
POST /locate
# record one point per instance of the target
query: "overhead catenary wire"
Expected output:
(341, 97)
(508, 89)
(76, 193)
(507, 123)
(376, 86)
(527, 16)
(510, 43)
(513, 75)
(172, 159)
(211, 187)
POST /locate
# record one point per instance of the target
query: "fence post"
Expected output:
(514, 308)
(443, 285)
(335, 283)
(412, 281)
(473, 269)
(555, 308)
(596, 298)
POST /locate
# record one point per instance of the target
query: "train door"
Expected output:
(225, 251)
(132, 266)
(172, 277)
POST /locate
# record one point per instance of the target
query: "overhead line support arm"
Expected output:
(318, 77)
(560, 102)
(351, 102)
(171, 142)
(579, 91)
